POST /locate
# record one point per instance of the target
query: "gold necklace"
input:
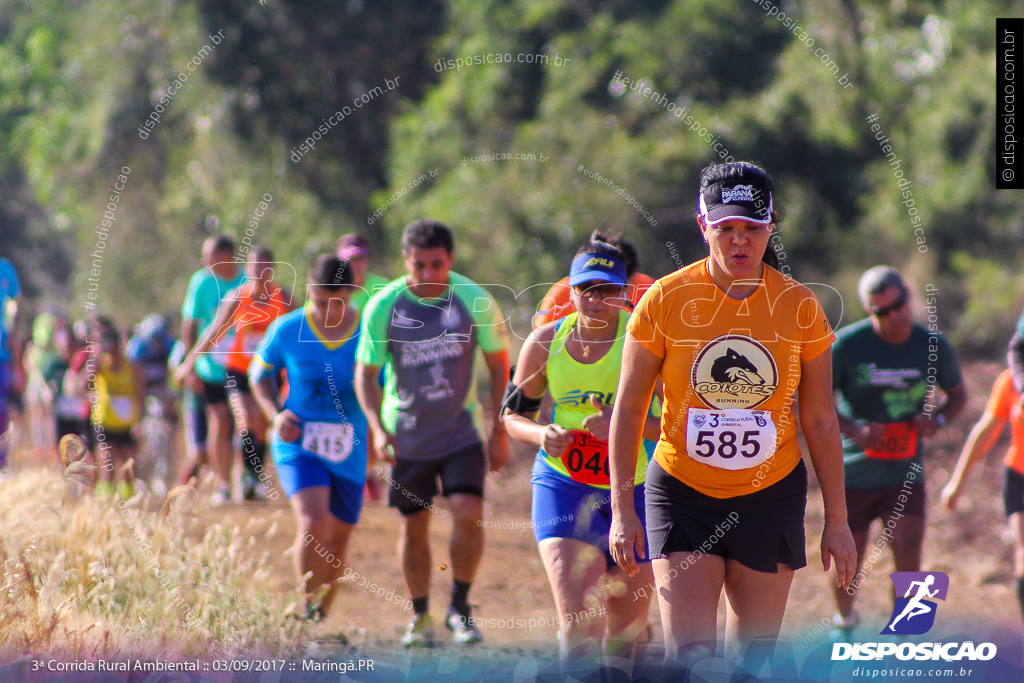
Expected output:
(579, 336)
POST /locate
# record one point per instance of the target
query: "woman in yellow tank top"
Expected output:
(577, 360)
(118, 389)
(734, 341)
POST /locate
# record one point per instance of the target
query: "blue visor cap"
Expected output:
(597, 268)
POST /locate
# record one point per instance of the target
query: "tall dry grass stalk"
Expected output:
(88, 577)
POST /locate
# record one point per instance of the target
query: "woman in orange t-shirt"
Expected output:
(241, 321)
(734, 342)
(1003, 406)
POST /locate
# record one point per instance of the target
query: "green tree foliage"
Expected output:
(756, 85)
(78, 79)
(290, 65)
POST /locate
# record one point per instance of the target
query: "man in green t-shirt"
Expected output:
(884, 373)
(208, 285)
(426, 328)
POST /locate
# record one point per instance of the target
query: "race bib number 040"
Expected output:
(732, 438)
(330, 440)
(586, 458)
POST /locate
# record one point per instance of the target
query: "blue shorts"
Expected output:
(307, 470)
(563, 508)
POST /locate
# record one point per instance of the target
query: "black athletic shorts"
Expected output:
(1013, 492)
(413, 483)
(110, 437)
(237, 382)
(77, 427)
(759, 530)
(864, 506)
(214, 393)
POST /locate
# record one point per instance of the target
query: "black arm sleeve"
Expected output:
(515, 400)
(1015, 359)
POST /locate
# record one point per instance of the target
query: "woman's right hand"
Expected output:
(288, 425)
(627, 532)
(555, 439)
(869, 436)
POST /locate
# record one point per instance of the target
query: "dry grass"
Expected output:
(88, 577)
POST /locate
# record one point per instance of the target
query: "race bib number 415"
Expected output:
(330, 440)
(732, 438)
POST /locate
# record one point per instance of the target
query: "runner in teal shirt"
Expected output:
(207, 287)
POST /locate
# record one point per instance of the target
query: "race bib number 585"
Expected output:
(732, 438)
(330, 440)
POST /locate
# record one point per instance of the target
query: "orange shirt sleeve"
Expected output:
(1003, 397)
(645, 323)
(816, 333)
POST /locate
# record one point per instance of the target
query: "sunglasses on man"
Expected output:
(882, 311)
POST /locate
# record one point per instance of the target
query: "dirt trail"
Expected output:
(971, 545)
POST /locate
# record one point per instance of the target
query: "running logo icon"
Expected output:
(914, 613)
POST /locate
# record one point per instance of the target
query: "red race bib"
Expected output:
(586, 458)
(899, 442)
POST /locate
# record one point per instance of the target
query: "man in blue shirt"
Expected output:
(319, 431)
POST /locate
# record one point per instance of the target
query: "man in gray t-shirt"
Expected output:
(425, 328)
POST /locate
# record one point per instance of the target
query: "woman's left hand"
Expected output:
(599, 424)
(837, 544)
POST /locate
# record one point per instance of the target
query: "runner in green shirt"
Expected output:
(884, 372)
(426, 328)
